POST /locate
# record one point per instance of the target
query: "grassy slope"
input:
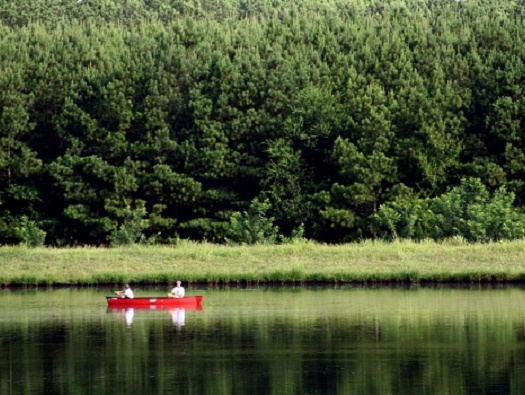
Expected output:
(302, 262)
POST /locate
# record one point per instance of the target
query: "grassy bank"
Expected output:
(367, 262)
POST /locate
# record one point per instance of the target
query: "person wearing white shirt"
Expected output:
(177, 292)
(127, 293)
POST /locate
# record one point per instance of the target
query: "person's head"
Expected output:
(178, 283)
(126, 285)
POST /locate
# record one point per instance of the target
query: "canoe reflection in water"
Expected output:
(129, 314)
(154, 302)
(178, 315)
(126, 314)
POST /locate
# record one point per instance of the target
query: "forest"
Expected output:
(261, 121)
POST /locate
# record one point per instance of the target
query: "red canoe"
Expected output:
(153, 302)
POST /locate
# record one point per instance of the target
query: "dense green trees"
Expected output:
(183, 116)
(466, 212)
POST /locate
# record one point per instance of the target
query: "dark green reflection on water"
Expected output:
(267, 341)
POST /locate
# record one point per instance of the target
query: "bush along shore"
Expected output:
(296, 263)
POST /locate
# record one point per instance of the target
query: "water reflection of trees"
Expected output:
(363, 341)
(230, 355)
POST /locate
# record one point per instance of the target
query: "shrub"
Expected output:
(130, 231)
(253, 226)
(468, 211)
(28, 232)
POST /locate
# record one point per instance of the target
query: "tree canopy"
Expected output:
(155, 120)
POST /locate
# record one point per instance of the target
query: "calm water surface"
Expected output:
(346, 340)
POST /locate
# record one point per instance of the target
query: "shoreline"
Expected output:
(268, 286)
(303, 263)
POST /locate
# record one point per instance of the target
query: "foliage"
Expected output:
(467, 212)
(253, 226)
(131, 229)
(28, 232)
(326, 110)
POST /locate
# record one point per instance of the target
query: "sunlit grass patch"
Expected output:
(366, 262)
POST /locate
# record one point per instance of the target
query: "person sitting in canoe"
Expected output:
(127, 293)
(177, 292)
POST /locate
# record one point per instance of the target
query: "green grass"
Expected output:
(366, 262)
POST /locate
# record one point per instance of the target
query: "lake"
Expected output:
(278, 340)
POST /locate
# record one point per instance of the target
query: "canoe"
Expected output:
(153, 302)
